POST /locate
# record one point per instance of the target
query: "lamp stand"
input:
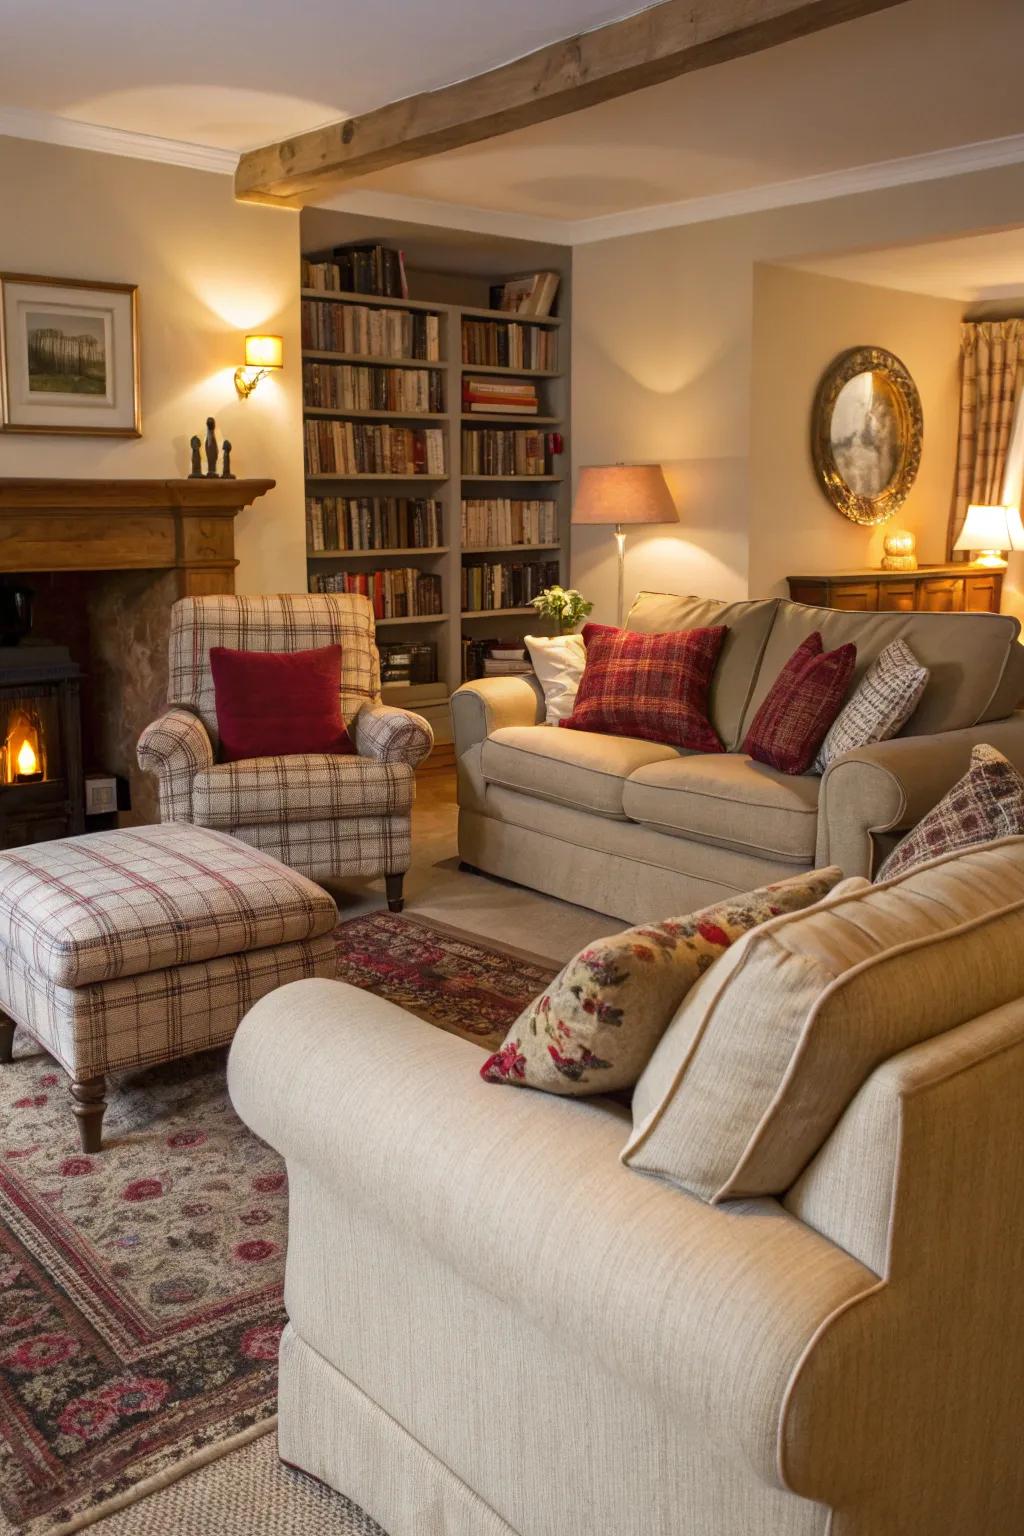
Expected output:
(620, 540)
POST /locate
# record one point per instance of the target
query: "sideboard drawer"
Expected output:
(942, 594)
(897, 598)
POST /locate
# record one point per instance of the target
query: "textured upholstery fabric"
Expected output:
(729, 800)
(261, 790)
(880, 705)
(578, 768)
(391, 735)
(88, 909)
(558, 662)
(800, 706)
(648, 687)
(772, 1044)
(356, 845)
(988, 802)
(275, 703)
(175, 747)
(594, 1028)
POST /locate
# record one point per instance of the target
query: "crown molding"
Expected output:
(49, 128)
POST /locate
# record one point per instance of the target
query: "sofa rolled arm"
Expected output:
(391, 735)
(175, 747)
(891, 785)
(486, 705)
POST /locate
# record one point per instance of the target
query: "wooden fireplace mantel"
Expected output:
(119, 525)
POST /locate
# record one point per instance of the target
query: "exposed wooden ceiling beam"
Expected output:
(658, 44)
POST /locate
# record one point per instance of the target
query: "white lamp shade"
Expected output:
(264, 352)
(991, 528)
(623, 493)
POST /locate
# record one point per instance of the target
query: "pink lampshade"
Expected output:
(623, 493)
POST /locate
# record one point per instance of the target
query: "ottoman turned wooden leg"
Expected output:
(393, 885)
(88, 1103)
(7, 1028)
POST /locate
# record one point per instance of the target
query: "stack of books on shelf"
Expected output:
(360, 267)
(499, 397)
(494, 658)
(356, 388)
(507, 344)
(508, 451)
(357, 448)
(503, 584)
(370, 332)
(406, 665)
(397, 594)
(533, 294)
(502, 520)
(372, 522)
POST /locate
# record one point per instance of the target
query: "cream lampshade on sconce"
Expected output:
(989, 531)
(262, 353)
(622, 495)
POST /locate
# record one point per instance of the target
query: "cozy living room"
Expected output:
(512, 768)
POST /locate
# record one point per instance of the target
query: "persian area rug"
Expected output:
(141, 1288)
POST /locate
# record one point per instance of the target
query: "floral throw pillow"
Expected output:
(987, 803)
(595, 1028)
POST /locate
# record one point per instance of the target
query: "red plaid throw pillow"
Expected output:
(799, 708)
(652, 687)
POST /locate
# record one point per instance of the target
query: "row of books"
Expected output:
(506, 344)
(533, 294)
(360, 267)
(398, 594)
(499, 396)
(404, 664)
(353, 387)
(368, 332)
(502, 520)
(506, 584)
(493, 658)
(368, 448)
(373, 522)
(508, 451)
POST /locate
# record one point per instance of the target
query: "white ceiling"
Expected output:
(973, 269)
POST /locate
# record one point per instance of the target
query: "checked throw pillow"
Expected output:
(651, 687)
(796, 713)
(987, 803)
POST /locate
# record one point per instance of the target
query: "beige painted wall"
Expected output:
(801, 322)
(208, 270)
(663, 361)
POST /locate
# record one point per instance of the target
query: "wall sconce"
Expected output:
(261, 354)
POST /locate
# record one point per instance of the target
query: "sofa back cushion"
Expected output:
(748, 625)
(967, 655)
(775, 1040)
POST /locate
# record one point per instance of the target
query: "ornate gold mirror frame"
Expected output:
(884, 443)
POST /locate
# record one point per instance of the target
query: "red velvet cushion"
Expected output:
(654, 687)
(277, 703)
(797, 711)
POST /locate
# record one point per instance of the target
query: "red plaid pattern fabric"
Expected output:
(175, 747)
(391, 735)
(83, 910)
(796, 713)
(257, 791)
(363, 846)
(650, 687)
(987, 803)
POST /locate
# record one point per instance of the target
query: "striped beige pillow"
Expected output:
(880, 707)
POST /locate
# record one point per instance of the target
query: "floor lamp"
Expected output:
(622, 495)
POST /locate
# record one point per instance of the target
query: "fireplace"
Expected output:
(41, 782)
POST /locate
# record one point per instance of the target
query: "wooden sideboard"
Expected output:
(930, 589)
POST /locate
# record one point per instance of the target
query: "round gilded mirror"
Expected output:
(866, 434)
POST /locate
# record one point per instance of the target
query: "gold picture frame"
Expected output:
(69, 356)
(867, 430)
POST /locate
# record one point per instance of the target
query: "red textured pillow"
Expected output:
(277, 703)
(795, 716)
(653, 687)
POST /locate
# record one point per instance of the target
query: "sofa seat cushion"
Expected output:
(729, 800)
(312, 786)
(579, 768)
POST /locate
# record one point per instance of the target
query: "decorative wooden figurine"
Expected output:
(196, 472)
(225, 472)
(212, 451)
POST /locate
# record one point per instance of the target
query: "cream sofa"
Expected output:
(497, 1329)
(641, 830)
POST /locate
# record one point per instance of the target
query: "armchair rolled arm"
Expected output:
(486, 705)
(391, 735)
(175, 747)
(891, 785)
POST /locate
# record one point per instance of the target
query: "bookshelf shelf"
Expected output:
(375, 554)
(516, 479)
(417, 618)
(509, 315)
(374, 300)
(485, 419)
(380, 479)
(494, 613)
(515, 373)
(342, 413)
(501, 549)
(372, 360)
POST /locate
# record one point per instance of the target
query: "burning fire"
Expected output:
(27, 760)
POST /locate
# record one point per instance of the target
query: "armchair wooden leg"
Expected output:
(88, 1103)
(7, 1027)
(393, 884)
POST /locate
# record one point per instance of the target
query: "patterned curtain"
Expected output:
(991, 364)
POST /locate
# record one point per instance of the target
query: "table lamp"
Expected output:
(622, 495)
(989, 531)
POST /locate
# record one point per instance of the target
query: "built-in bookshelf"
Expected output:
(437, 455)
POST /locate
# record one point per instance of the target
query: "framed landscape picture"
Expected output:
(69, 356)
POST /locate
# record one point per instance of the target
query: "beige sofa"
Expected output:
(640, 830)
(497, 1329)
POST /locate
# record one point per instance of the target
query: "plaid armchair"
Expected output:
(321, 814)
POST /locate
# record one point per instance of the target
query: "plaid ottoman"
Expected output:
(122, 949)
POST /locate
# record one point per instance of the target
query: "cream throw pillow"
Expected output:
(880, 707)
(558, 661)
(595, 1027)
